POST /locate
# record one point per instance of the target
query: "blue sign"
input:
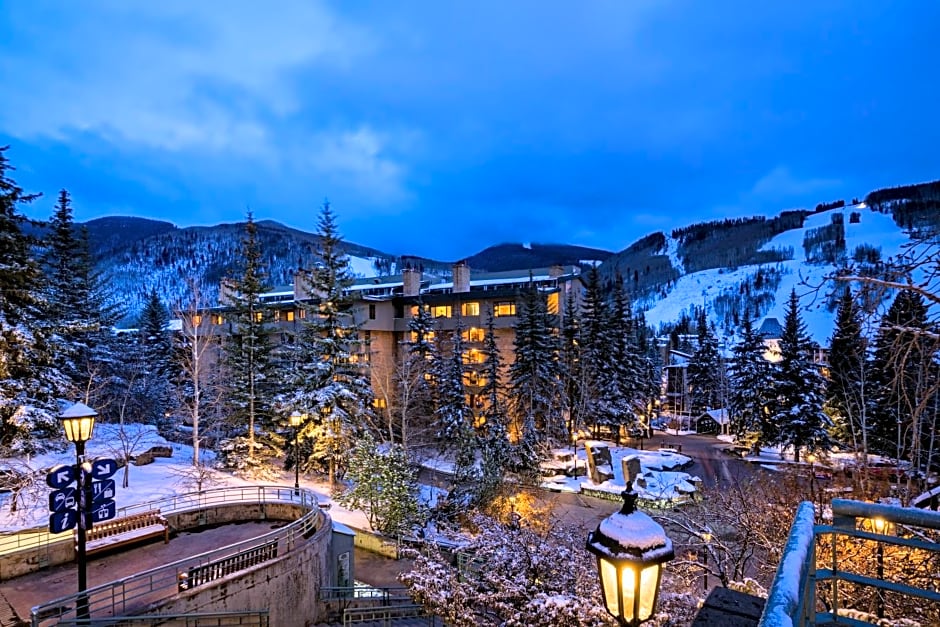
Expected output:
(102, 490)
(103, 468)
(61, 476)
(62, 499)
(105, 510)
(62, 521)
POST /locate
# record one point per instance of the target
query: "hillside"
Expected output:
(724, 265)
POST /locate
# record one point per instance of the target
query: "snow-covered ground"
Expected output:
(659, 479)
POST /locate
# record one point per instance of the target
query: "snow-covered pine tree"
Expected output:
(250, 392)
(81, 311)
(904, 374)
(156, 347)
(705, 368)
(571, 367)
(848, 376)
(30, 381)
(798, 386)
(494, 441)
(384, 485)
(333, 379)
(594, 340)
(620, 378)
(750, 400)
(535, 381)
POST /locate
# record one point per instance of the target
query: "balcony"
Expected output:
(873, 563)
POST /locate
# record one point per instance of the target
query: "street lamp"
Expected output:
(706, 538)
(78, 421)
(631, 548)
(296, 419)
(881, 527)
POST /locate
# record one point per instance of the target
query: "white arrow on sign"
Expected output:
(103, 468)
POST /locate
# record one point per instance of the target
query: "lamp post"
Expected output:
(811, 458)
(631, 549)
(880, 525)
(296, 419)
(707, 538)
(78, 422)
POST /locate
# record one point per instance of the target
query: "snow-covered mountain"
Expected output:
(724, 291)
(725, 266)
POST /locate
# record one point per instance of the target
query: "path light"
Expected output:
(78, 422)
(631, 549)
(296, 419)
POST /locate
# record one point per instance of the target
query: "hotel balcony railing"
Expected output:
(873, 561)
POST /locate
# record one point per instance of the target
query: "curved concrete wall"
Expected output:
(287, 586)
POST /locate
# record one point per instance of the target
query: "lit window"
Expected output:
(217, 319)
(379, 403)
(473, 356)
(197, 320)
(473, 334)
(428, 337)
(553, 303)
(289, 315)
(441, 311)
(470, 309)
(259, 315)
(301, 313)
(503, 309)
(414, 310)
(277, 315)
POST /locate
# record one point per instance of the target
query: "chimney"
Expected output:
(227, 292)
(461, 277)
(411, 281)
(301, 283)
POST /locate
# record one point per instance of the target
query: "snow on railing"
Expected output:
(785, 602)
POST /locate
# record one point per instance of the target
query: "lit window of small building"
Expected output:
(470, 309)
(197, 320)
(217, 319)
(379, 403)
(441, 311)
(473, 334)
(289, 315)
(504, 308)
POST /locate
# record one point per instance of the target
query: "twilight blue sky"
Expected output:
(439, 128)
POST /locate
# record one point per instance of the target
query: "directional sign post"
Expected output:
(62, 521)
(103, 469)
(60, 500)
(61, 476)
(102, 490)
(105, 510)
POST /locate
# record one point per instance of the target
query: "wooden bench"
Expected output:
(132, 529)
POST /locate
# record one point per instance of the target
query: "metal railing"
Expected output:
(136, 592)
(825, 571)
(259, 618)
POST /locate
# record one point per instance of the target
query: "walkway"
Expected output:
(23, 593)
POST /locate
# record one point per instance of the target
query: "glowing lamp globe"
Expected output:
(78, 421)
(631, 549)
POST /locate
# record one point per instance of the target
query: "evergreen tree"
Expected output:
(535, 381)
(29, 380)
(848, 373)
(248, 359)
(903, 373)
(594, 341)
(750, 401)
(494, 442)
(799, 388)
(156, 347)
(705, 369)
(384, 485)
(620, 376)
(571, 367)
(81, 312)
(333, 376)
